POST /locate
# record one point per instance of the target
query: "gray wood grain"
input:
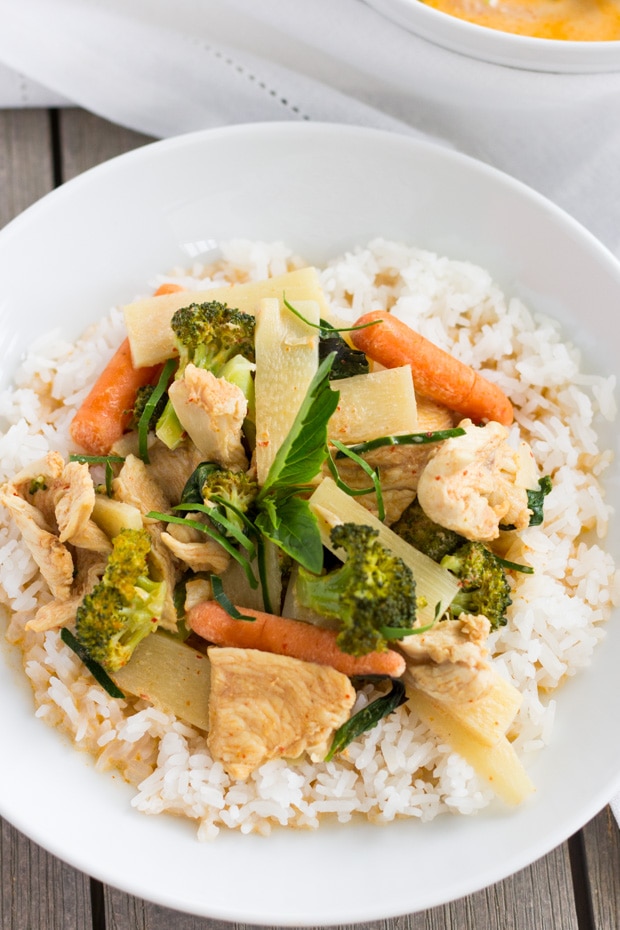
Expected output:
(39, 892)
(601, 842)
(26, 163)
(86, 140)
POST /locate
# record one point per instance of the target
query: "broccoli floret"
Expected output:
(210, 334)
(483, 586)
(124, 607)
(230, 492)
(143, 396)
(370, 593)
(421, 532)
(348, 361)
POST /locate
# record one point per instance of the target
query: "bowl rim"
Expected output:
(572, 819)
(495, 46)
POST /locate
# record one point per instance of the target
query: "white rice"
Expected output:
(398, 769)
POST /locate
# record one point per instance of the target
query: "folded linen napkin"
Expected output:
(163, 69)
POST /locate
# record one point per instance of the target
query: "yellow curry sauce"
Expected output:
(576, 20)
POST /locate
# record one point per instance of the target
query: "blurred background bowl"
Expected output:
(498, 47)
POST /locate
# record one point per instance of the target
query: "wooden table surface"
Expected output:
(575, 887)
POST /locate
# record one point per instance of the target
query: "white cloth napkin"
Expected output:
(164, 68)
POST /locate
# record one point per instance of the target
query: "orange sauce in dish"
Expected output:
(574, 20)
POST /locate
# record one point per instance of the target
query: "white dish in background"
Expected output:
(502, 48)
(322, 188)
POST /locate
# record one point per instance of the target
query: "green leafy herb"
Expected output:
(231, 528)
(535, 500)
(224, 601)
(105, 460)
(301, 455)
(97, 671)
(213, 534)
(289, 523)
(323, 325)
(283, 516)
(515, 566)
(407, 439)
(372, 473)
(368, 717)
(149, 408)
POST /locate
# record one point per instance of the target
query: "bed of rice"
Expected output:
(398, 769)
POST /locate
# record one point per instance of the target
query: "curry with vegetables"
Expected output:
(572, 20)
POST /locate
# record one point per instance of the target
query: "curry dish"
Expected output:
(574, 20)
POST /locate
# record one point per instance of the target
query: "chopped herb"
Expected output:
(97, 671)
(367, 718)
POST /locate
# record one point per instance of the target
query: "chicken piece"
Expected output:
(264, 706)
(171, 469)
(74, 499)
(92, 537)
(449, 660)
(64, 494)
(52, 556)
(35, 483)
(89, 569)
(135, 485)
(211, 410)
(399, 467)
(200, 556)
(475, 482)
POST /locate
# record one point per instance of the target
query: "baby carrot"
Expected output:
(436, 374)
(106, 411)
(168, 287)
(288, 638)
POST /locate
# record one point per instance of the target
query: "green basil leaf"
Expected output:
(368, 717)
(292, 526)
(301, 455)
(224, 601)
(97, 671)
(535, 500)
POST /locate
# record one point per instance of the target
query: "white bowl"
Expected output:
(502, 48)
(96, 241)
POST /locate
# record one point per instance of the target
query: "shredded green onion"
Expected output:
(97, 671)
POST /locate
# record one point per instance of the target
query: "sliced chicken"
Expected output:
(171, 469)
(399, 467)
(201, 556)
(89, 569)
(211, 411)
(475, 482)
(52, 556)
(449, 661)
(74, 500)
(135, 485)
(264, 706)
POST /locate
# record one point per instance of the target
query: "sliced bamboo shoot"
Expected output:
(148, 320)
(112, 516)
(287, 357)
(498, 764)
(433, 583)
(170, 675)
(381, 403)
(486, 719)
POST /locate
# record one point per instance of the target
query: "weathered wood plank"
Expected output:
(86, 140)
(601, 841)
(38, 891)
(26, 164)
